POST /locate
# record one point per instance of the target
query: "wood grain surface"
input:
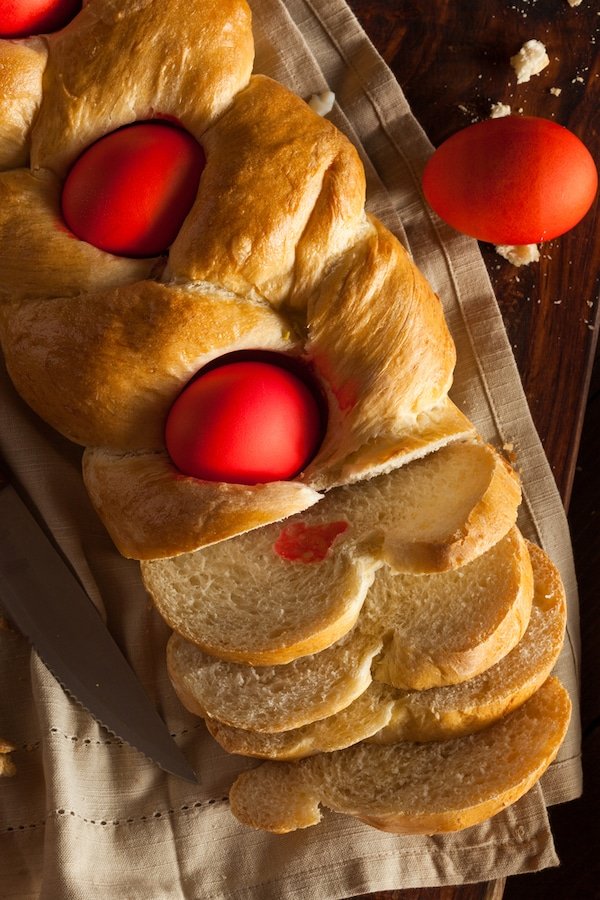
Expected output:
(452, 61)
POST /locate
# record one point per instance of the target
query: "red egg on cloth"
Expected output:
(23, 18)
(245, 422)
(129, 192)
(511, 180)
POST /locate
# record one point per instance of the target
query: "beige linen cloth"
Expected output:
(87, 816)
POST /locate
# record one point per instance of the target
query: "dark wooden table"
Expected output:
(452, 60)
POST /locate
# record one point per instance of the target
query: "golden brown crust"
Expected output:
(374, 300)
(280, 202)
(158, 58)
(295, 218)
(282, 193)
(22, 65)
(39, 257)
(104, 369)
(150, 510)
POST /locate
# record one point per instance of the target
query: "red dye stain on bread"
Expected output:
(307, 543)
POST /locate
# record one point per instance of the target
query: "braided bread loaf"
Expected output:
(276, 254)
(275, 259)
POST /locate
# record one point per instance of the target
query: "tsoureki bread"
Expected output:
(402, 569)
(277, 239)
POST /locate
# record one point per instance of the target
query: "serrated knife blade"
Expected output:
(50, 607)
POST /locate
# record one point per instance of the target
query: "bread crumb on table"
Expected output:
(508, 448)
(530, 60)
(519, 254)
(498, 110)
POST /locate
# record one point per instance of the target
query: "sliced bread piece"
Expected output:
(387, 715)
(411, 788)
(272, 698)
(421, 630)
(447, 628)
(239, 599)
(365, 716)
(454, 710)
(242, 601)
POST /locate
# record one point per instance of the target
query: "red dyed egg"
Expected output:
(22, 18)
(244, 423)
(129, 192)
(512, 180)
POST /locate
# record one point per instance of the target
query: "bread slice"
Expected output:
(387, 715)
(444, 712)
(273, 698)
(371, 712)
(411, 788)
(447, 628)
(414, 631)
(239, 599)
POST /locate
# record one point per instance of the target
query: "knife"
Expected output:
(48, 604)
